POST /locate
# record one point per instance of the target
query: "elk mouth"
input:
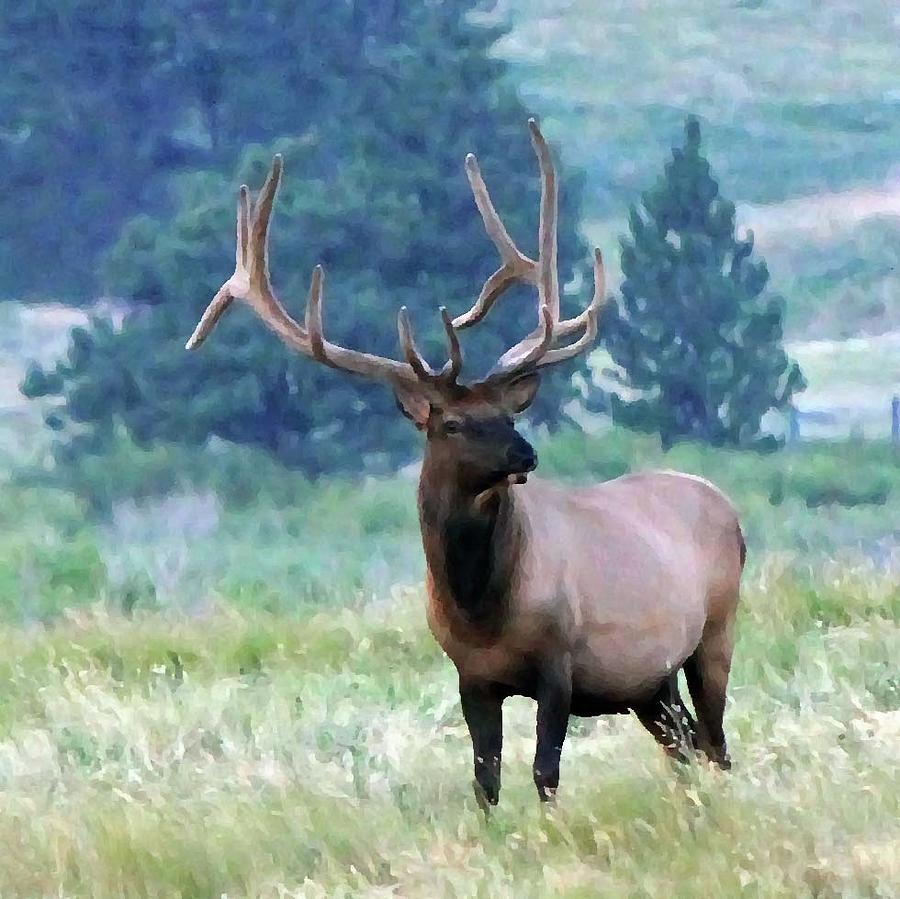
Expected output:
(520, 475)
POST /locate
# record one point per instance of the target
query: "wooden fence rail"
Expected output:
(796, 420)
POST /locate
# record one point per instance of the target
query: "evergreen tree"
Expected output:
(85, 95)
(698, 337)
(375, 189)
(103, 102)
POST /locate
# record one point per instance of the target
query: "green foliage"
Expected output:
(174, 527)
(817, 474)
(49, 561)
(831, 482)
(104, 102)
(573, 453)
(697, 337)
(380, 197)
(87, 98)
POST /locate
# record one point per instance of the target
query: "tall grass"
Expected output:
(217, 680)
(324, 754)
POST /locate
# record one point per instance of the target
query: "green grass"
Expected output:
(170, 529)
(324, 754)
(218, 680)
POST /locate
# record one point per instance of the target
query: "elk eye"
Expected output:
(452, 427)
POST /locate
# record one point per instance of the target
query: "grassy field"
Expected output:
(323, 753)
(220, 682)
(216, 679)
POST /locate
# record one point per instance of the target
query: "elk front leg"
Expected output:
(483, 710)
(554, 699)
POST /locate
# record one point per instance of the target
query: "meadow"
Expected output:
(217, 680)
(807, 151)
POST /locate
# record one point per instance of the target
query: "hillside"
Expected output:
(801, 114)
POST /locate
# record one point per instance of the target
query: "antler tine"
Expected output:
(243, 227)
(572, 325)
(219, 304)
(493, 224)
(548, 277)
(560, 354)
(493, 287)
(211, 315)
(454, 364)
(516, 265)
(509, 367)
(539, 354)
(416, 360)
(450, 372)
(313, 318)
(588, 320)
(257, 254)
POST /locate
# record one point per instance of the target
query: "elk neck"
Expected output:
(472, 545)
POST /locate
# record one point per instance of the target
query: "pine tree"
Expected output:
(376, 191)
(103, 102)
(698, 336)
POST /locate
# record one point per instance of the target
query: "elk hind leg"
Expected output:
(706, 672)
(554, 701)
(668, 719)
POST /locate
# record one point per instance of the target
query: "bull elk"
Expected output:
(588, 600)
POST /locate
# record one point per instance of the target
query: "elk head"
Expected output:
(469, 427)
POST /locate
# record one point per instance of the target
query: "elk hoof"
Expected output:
(484, 799)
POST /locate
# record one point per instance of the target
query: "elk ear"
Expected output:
(519, 395)
(413, 404)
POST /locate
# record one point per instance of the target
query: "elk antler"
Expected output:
(251, 284)
(537, 349)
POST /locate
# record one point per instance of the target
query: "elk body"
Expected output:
(588, 600)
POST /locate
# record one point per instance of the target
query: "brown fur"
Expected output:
(602, 592)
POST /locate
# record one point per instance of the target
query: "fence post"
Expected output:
(895, 421)
(793, 426)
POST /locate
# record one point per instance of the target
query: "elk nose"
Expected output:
(522, 458)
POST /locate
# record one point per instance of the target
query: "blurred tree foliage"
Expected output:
(374, 107)
(698, 337)
(104, 101)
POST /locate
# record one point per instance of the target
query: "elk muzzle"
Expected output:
(521, 459)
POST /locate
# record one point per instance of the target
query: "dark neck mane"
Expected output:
(470, 548)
